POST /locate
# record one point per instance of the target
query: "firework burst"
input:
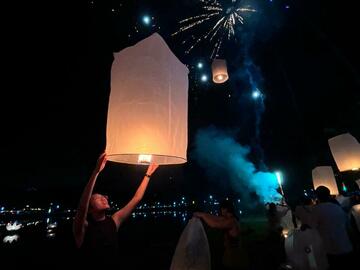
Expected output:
(222, 20)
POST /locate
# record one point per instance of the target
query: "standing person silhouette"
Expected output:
(235, 255)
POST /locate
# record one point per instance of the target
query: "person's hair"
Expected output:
(272, 209)
(91, 207)
(306, 200)
(322, 193)
(228, 205)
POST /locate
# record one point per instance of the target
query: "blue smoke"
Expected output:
(219, 154)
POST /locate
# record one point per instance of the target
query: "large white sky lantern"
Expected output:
(219, 71)
(147, 114)
(324, 176)
(346, 152)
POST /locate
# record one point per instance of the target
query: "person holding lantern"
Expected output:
(94, 232)
(234, 256)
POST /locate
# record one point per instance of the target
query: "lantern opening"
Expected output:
(138, 159)
(219, 77)
(144, 158)
(355, 169)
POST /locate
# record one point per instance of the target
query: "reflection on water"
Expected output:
(183, 215)
(30, 226)
(11, 238)
(48, 227)
(13, 226)
(149, 234)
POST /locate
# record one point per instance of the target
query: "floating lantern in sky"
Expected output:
(147, 114)
(346, 152)
(219, 71)
(324, 176)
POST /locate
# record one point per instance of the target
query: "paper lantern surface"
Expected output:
(305, 250)
(192, 250)
(286, 220)
(324, 176)
(147, 114)
(219, 71)
(346, 152)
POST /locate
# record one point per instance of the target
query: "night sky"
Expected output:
(58, 63)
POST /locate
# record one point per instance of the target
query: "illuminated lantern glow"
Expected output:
(144, 159)
(219, 71)
(147, 113)
(324, 176)
(346, 152)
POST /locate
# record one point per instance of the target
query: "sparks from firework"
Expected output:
(224, 26)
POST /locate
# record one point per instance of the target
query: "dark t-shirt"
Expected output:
(101, 242)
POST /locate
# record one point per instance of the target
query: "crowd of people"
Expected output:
(326, 232)
(323, 231)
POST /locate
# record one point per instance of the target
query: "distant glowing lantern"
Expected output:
(147, 114)
(324, 176)
(346, 152)
(219, 71)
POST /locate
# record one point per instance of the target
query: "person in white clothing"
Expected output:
(331, 222)
(303, 212)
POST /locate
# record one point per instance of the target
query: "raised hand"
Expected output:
(151, 169)
(101, 162)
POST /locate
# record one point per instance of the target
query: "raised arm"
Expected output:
(215, 221)
(80, 222)
(124, 212)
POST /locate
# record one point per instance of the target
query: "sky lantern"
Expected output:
(148, 104)
(346, 152)
(219, 71)
(324, 176)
